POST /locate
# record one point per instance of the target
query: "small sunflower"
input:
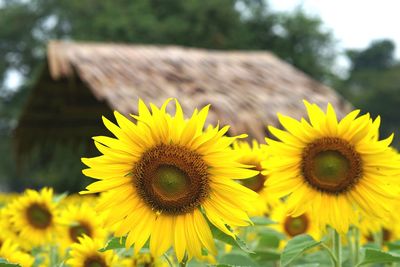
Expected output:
(6, 227)
(386, 230)
(34, 217)
(254, 155)
(165, 175)
(292, 226)
(13, 254)
(143, 259)
(86, 254)
(332, 169)
(79, 220)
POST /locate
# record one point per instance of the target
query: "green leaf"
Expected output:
(261, 220)
(5, 263)
(372, 246)
(269, 239)
(114, 243)
(221, 236)
(321, 257)
(393, 245)
(234, 259)
(265, 255)
(295, 247)
(378, 256)
(307, 265)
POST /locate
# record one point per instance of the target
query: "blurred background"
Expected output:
(350, 47)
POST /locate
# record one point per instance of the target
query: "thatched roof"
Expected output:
(245, 89)
(82, 81)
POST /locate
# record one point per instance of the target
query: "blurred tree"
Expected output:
(378, 56)
(295, 37)
(226, 24)
(373, 84)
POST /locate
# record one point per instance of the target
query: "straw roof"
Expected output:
(245, 89)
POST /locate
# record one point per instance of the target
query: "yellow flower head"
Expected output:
(86, 254)
(387, 229)
(13, 254)
(292, 226)
(332, 168)
(7, 229)
(254, 155)
(34, 216)
(143, 259)
(165, 175)
(79, 220)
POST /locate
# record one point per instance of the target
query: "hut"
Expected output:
(83, 81)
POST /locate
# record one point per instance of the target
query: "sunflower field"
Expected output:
(172, 191)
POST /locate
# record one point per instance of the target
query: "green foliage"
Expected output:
(227, 239)
(114, 243)
(297, 38)
(5, 263)
(297, 246)
(374, 84)
(236, 259)
(379, 55)
(262, 220)
(300, 251)
(378, 256)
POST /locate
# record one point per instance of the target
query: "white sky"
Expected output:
(355, 23)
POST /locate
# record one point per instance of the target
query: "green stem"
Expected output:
(53, 253)
(333, 257)
(378, 238)
(356, 245)
(352, 252)
(168, 260)
(183, 263)
(337, 247)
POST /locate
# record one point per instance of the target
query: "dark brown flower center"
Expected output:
(331, 165)
(255, 183)
(171, 179)
(94, 261)
(386, 235)
(145, 260)
(79, 230)
(296, 225)
(39, 216)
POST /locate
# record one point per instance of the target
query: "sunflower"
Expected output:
(86, 253)
(254, 155)
(165, 175)
(332, 169)
(6, 227)
(12, 254)
(142, 260)
(78, 220)
(34, 216)
(385, 230)
(292, 226)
